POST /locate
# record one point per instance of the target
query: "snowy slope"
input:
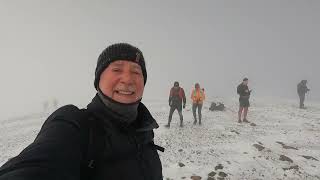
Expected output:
(284, 144)
(281, 129)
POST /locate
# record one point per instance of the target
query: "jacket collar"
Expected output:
(143, 122)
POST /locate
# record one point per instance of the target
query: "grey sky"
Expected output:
(49, 48)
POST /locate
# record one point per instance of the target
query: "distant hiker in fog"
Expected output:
(45, 106)
(197, 96)
(176, 97)
(302, 89)
(111, 139)
(244, 103)
(55, 103)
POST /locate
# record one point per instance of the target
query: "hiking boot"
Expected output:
(181, 125)
(239, 121)
(194, 122)
(167, 126)
(199, 122)
(245, 120)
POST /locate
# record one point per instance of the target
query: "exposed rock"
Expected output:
(310, 157)
(259, 147)
(212, 174)
(286, 147)
(285, 158)
(219, 166)
(235, 132)
(296, 167)
(222, 174)
(181, 164)
(195, 177)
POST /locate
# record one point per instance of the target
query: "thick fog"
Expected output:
(49, 49)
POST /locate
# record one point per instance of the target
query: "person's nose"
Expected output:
(126, 77)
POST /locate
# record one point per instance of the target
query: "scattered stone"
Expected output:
(220, 178)
(254, 170)
(235, 132)
(181, 164)
(212, 174)
(183, 177)
(195, 177)
(253, 124)
(310, 157)
(180, 150)
(222, 174)
(228, 162)
(245, 153)
(218, 167)
(285, 158)
(260, 143)
(285, 146)
(259, 147)
(211, 178)
(296, 167)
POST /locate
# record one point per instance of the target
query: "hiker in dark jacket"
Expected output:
(176, 97)
(302, 89)
(244, 104)
(111, 139)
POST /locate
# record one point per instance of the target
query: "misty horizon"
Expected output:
(50, 49)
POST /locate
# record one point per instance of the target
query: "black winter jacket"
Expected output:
(67, 144)
(243, 91)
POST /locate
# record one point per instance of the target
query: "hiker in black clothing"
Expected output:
(176, 97)
(302, 89)
(244, 105)
(110, 139)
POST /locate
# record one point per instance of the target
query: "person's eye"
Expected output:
(137, 72)
(116, 69)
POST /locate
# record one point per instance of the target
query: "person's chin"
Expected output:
(125, 99)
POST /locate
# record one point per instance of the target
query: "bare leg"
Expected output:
(240, 114)
(245, 113)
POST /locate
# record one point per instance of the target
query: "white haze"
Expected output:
(49, 48)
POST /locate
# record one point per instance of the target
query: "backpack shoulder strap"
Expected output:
(93, 144)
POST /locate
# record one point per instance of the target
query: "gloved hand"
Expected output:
(184, 106)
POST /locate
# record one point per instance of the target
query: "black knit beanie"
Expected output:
(119, 51)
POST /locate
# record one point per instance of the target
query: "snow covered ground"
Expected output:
(283, 142)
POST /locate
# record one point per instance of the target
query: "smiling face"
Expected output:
(122, 81)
